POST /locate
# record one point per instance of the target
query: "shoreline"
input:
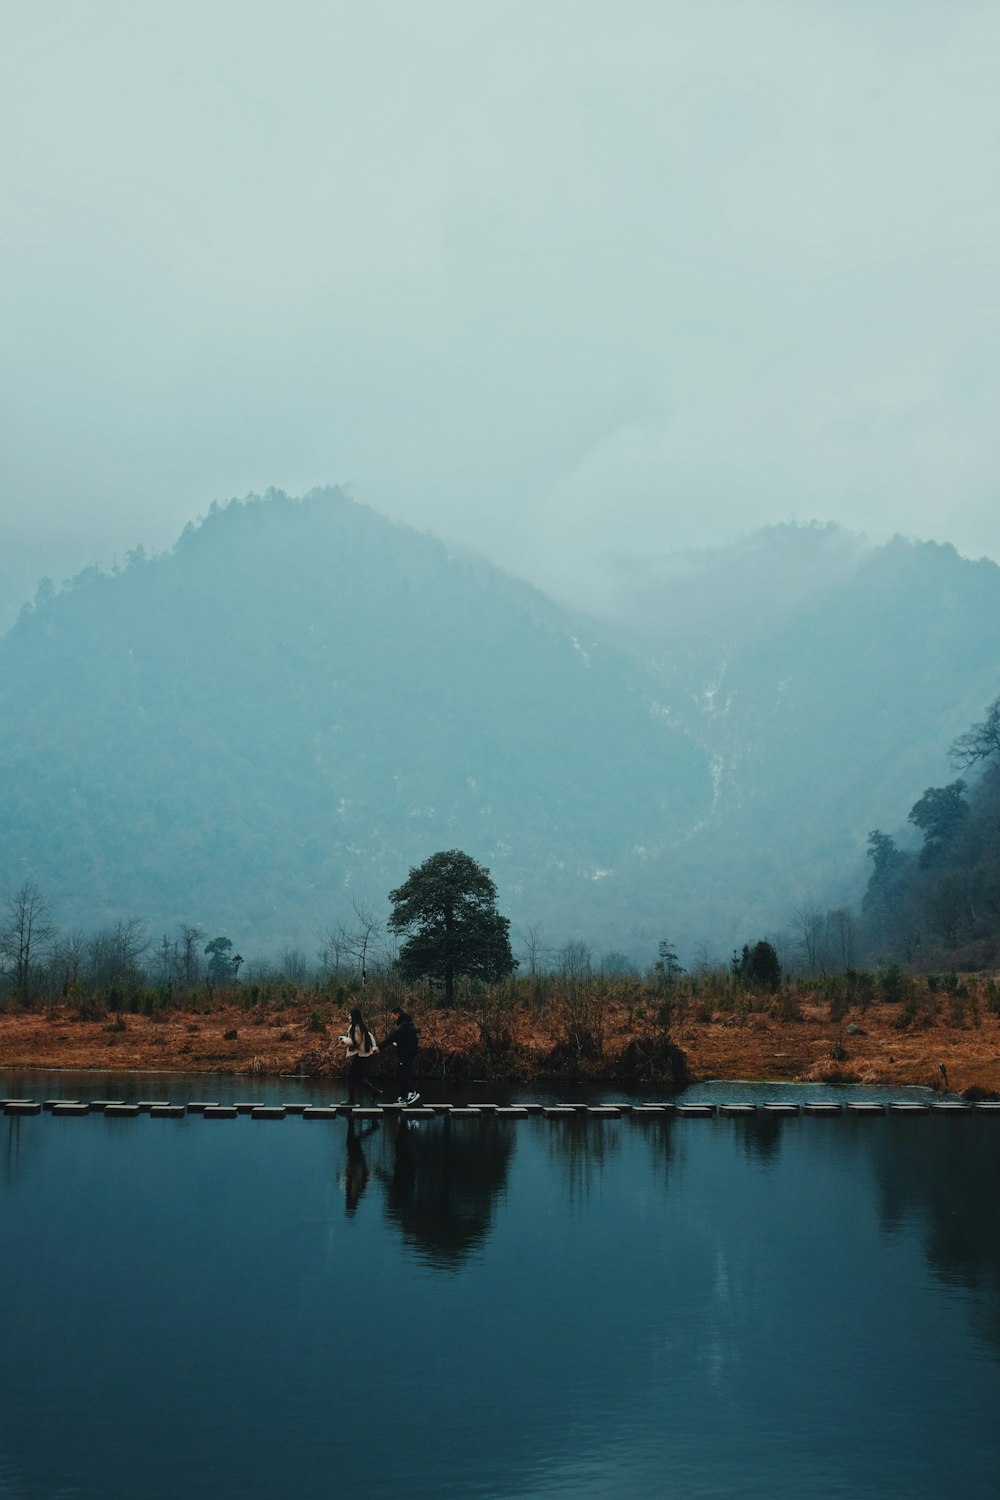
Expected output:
(938, 1052)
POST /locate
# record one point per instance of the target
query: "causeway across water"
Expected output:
(214, 1110)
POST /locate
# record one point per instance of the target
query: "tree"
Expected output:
(842, 935)
(447, 907)
(115, 954)
(981, 742)
(939, 814)
(533, 948)
(26, 932)
(223, 966)
(758, 966)
(574, 960)
(363, 936)
(668, 966)
(883, 898)
(811, 925)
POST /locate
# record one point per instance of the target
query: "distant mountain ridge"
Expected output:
(303, 699)
(834, 710)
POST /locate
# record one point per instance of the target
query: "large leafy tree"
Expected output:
(447, 908)
(939, 814)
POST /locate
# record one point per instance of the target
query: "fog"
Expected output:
(563, 284)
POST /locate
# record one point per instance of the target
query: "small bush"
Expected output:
(839, 1002)
(789, 1005)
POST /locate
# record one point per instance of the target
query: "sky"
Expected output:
(564, 283)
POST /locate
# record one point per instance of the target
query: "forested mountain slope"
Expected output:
(300, 701)
(831, 701)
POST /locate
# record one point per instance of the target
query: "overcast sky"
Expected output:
(557, 281)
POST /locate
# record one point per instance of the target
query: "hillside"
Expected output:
(826, 707)
(300, 701)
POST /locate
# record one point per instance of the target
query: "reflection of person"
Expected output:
(404, 1169)
(356, 1172)
(405, 1038)
(361, 1048)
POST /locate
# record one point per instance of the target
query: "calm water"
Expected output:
(780, 1307)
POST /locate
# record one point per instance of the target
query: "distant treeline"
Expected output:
(933, 909)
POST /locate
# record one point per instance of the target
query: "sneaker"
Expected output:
(412, 1097)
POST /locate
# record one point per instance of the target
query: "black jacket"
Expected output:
(404, 1037)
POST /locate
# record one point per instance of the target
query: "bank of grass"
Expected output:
(858, 1026)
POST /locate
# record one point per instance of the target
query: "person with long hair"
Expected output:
(361, 1048)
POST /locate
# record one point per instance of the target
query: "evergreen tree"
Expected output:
(448, 908)
(758, 967)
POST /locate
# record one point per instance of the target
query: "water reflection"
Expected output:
(949, 1187)
(761, 1135)
(354, 1178)
(604, 1307)
(442, 1184)
(582, 1147)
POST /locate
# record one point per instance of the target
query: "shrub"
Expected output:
(789, 1006)
(839, 1002)
(895, 985)
(860, 988)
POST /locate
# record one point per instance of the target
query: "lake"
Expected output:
(479, 1308)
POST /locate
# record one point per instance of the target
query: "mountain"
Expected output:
(825, 680)
(301, 700)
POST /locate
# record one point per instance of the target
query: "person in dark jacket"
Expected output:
(405, 1038)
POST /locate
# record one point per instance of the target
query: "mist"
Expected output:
(566, 288)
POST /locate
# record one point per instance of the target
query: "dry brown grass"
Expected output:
(734, 1044)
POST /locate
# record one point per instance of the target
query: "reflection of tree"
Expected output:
(12, 1152)
(582, 1147)
(443, 1182)
(948, 1182)
(661, 1141)
(761, 1133)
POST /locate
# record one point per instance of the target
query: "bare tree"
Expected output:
(575, 960)
(114, 956)
(704, 964)
(981, 742)
(28, 929)
(294, 965)
(842, 935)
(335, 949)
(358, 942)
(67, 959)
(533, 948)
(189, 954)
(810, 927)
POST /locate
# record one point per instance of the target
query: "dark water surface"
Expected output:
(607, 1308)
